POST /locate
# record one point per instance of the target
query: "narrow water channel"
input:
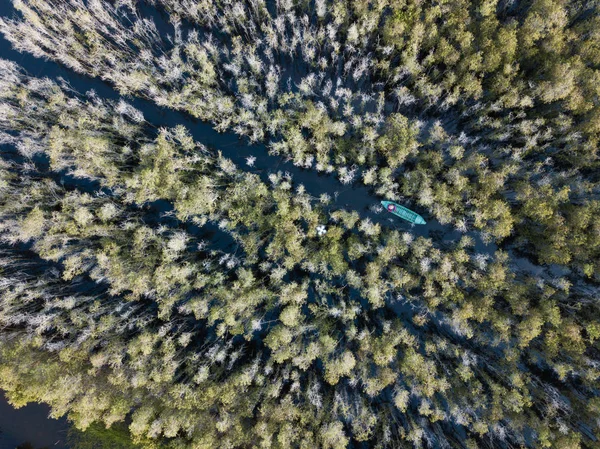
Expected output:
(356, 196)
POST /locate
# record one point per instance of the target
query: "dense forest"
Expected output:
(149, 282)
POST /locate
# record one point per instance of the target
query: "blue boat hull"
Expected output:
(403, 212)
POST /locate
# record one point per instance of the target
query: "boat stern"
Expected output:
(389, 206)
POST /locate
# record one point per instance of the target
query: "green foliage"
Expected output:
(483, 113)
(98, 437)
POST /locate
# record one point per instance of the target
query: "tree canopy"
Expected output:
(147, 280)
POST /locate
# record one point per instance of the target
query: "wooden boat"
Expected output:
(403, 212)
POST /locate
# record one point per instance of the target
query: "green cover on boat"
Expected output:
(403, 212)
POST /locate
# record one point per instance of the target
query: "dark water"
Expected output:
(30, 425)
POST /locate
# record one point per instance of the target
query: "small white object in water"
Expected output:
(321, 230)
(250, 160)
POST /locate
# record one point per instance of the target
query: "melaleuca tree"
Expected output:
(481, 112)
(420, 371)
(435, 59)
(328, 121)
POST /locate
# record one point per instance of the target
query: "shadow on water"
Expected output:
(30, 428)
